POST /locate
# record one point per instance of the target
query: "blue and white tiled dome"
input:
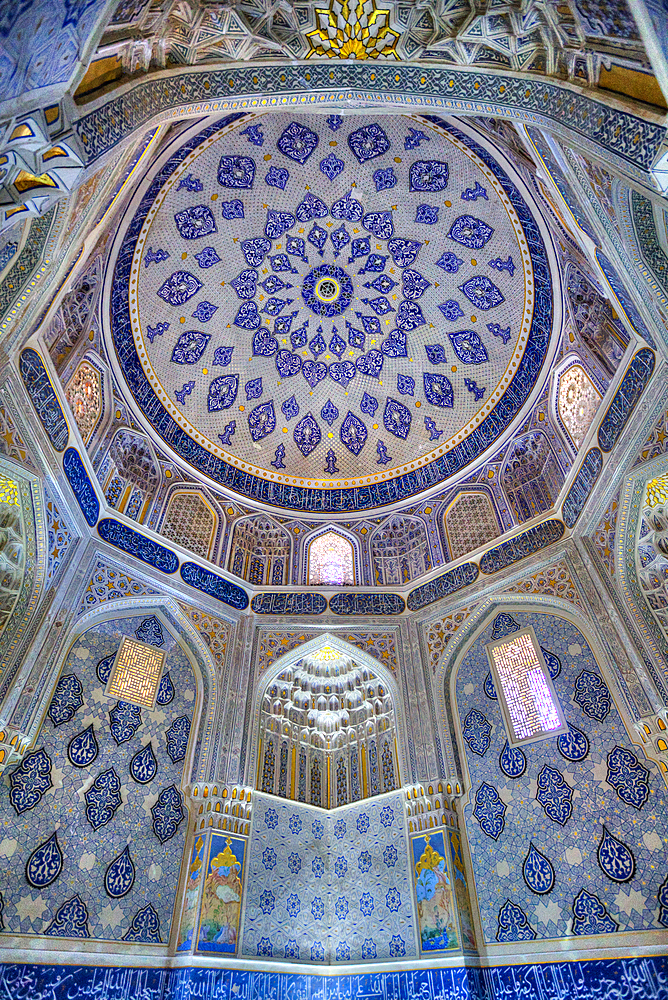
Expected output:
(331, 313)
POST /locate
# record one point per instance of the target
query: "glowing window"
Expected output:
(84, 394)
(526, 694)
(331, 560)
(578, 399)
(136, 673)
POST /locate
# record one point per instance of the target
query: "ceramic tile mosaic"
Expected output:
(103, 775)
(329, 887)
(332, 347)
(588, 801)
(641, 978)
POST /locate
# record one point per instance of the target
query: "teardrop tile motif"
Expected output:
(512, 761)
(552, 662)
(488, 687)
(573, 745)
(45, 863)
(83, 748)
(503, 625)
(120, 875)
(144, 766)
(104, 668)
(615, 858)
(166, 690)
(538, 872)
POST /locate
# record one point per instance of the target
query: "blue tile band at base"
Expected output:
(642, 978)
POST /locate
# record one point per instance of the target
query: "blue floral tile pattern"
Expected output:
(167, 813)
(29, 781)
(489, 811)
(297, 142)
(99, 804)
(615, 859)
(590, 915)
(368, 142)
(321, 224)
(178, 288)
(70, 920)
(124, 721)
(343, 881)
(83, 748)
(513, 924)
(67, 699)
(45, 863)
(144, 766)
(476, 731)
(120, 875)
(605, 878)
(554, 794)
(538, 871)
(628, 777)
(592, 694)
(236, 171)
(428, 175)
(195, 222)
(144, 927)
(103, 798)
(177, 738)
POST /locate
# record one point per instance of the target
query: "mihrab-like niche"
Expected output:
(331, 314)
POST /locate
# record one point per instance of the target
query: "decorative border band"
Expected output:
(416, 87)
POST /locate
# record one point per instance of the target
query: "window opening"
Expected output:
(524, 687)
(136, 673)
(331, 560)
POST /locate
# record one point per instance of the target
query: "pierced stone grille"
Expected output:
(528, 697)
(190, 522)
(578, 400)
(469, 523)
(84, 394)
(136, 673)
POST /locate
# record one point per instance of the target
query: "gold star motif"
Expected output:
(357, 31)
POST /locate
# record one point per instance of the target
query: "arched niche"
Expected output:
(23, 563)
(324, 712)
(190, 520)
(129, 474)
(173, 623)
(135, 763)
(400, 550)
(531, 476)
(600, 331)
(260, 551)
(536, 795)
(335, 559)
(470, 520)
(640, 565)
(576, 399)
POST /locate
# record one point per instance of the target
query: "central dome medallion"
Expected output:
(327, 290)
(331, 314)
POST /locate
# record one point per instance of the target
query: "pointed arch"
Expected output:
(531, 476)
(261, 551)
(399, 550)
(300, 735)
(335, 560)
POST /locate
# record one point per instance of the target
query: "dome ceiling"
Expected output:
(331, 314)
